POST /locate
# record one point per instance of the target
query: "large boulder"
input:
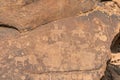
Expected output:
(28, 14)
(75, 48)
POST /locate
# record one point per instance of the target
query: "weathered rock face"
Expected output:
(59, 50)
(117, 2)
(28, 14)
(71, 48)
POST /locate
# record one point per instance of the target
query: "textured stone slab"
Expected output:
(28, 14)
(67, 49)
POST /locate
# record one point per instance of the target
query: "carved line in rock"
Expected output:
(70, 71)
(105, 0)
(8, 26)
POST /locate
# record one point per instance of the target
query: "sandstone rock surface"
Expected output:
(117, 1)
(28, 14)
(59, 50)
(65, 45)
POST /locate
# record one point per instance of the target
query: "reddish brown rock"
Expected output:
(75, 48)
(117, 2)
(28, 14)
